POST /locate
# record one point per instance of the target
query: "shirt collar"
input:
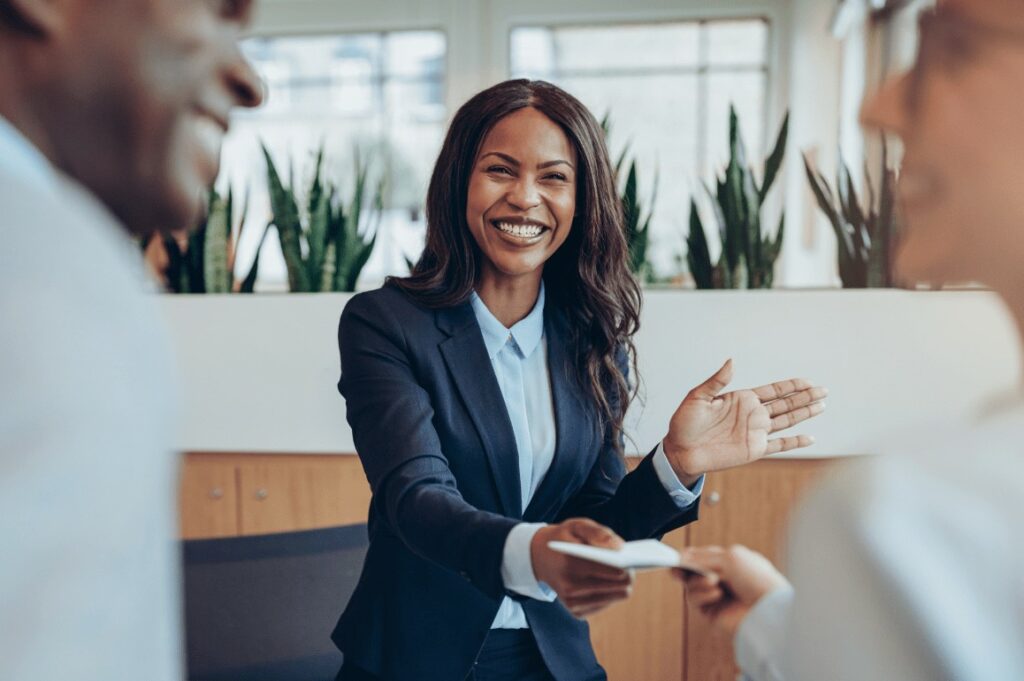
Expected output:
(526, 333)
(19, 157)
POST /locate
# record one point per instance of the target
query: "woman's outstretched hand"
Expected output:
(583, 586)
(712, 430)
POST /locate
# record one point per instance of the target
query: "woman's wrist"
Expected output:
(680, 460)
(538, 544)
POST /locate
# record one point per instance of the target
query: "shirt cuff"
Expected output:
(682, 496)
(517, 567)
(762, 635)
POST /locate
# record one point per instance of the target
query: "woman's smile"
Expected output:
(520, 231)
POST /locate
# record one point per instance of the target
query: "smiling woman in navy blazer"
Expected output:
(486, 394)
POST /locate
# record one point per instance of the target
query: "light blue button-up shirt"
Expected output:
(519, 359)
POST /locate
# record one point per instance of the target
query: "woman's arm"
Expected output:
(636, 505)
(414, 490)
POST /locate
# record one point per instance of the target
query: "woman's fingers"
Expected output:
(796, 400)
(583, 606)
(587, 531)
(588, 570)
(785, 444)
(790, 419)
(710, 388)
(597, 591)
(774, 391)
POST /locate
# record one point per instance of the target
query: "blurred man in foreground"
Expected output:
(111, 118)
(911, 567)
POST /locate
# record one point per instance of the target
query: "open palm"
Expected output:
(713, 431)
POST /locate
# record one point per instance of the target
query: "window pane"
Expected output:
(533, 53)
(732, 43)
(745, 91)
(615, 48)
(655, 118)
(666, 89)
(416, 53)
(382, 94)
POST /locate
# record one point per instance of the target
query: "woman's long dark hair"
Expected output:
(588, 277)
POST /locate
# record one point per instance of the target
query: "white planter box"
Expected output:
(259, 372)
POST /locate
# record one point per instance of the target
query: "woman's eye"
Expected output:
(557, 176)
(499, 170)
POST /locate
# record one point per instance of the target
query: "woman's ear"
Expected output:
(41, 18)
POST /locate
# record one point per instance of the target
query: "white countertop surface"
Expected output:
(259, 372)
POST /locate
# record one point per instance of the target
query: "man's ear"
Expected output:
(42, 18)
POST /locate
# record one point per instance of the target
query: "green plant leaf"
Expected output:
(215, 245)
(752, 224)
(193, 256)
(357, 264)
(636, 235)
(697, 255)
(353, 252)
(849, 198)
(177, 276)
(774, 162)
(249, 283)
(319, 219)
(823, 195)
(289, 227)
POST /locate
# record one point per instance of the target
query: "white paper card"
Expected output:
(637, 555)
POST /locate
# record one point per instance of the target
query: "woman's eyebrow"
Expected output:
(559, 162)
(513, 161)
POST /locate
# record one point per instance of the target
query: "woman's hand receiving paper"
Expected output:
(712, 430)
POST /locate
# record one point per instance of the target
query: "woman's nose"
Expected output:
(523, 194)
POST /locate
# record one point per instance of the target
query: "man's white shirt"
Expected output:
(89, 574)
(909, 566)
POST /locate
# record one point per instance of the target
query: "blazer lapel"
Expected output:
(572, 422)
(470, 367)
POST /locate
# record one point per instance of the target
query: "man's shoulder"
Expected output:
(72, 284)
(935, 478)
(63, 234)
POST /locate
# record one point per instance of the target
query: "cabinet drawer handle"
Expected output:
(216, 493)
(262, 494)
(714, 498)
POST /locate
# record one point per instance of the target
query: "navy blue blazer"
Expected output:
(437, 445)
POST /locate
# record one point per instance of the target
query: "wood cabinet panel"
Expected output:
(208, 498)
(294, 492)
(750, 506)
(643, 637)
(653, 636)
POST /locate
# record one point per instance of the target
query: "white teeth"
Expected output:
(521, 231)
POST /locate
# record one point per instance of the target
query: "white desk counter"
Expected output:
(259, 372)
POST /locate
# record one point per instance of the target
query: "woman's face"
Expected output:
(522, 195)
